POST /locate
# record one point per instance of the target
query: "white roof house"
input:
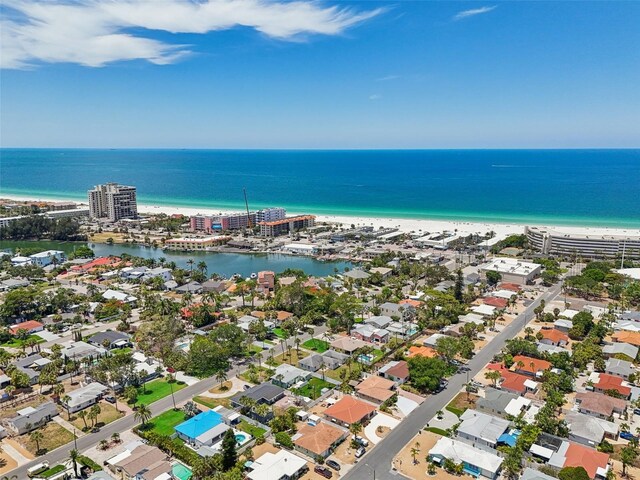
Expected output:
(84, 396)
(516, 406)
(276, 466)
(484, 310)
(487, 464)
(478, 427)
(120, 296)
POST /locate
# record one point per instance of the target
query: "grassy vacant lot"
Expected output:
(108, 414)
(226, 386)
(15, 343)
(459, 404)
(313, 388)
(316, 345)
(356, 368)
(53, 434)
(213, 402)
(164, 423)
(291, 359)
(256, 375)
(251, 429)
(102, 237)
(156, 390)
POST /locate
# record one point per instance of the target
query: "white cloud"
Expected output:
(388, 78)
(375, 96)
(473, 12)
(97, 32)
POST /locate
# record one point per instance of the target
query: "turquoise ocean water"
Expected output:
(571, 187)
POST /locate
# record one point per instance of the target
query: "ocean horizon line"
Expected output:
(318, 149)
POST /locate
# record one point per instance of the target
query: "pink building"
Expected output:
(266, 281)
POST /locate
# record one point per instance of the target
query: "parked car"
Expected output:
(627, 435)
(110, 398)
(362, 441)
(360, 452)
(636, 411)
(333, 464)
(324, 471)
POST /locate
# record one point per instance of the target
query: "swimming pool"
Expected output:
(241, 438)
(181, 471)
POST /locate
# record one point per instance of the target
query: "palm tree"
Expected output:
(95, 411)
(202, 266)
(355, 428)
(190, 262)
(36, 436)
(66, 399)
(115, 437)
(83, 415)
(73, 455)
(414, 453)
(143, 414)
(221, 376)
(103, 444)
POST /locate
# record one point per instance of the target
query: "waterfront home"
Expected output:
(48, 257)
(282, 465)
(475, 462)
(318, 440)
(218, 286)
(370, 334)
(376, 389)
(266, 281)
(481, 430)
(349, 410)
(84, 397)
(287, 375)
(599, 405)
(397, 371)
(30, 326)
(30, 418)
(356, 274)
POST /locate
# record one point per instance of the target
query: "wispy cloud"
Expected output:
(375, 96)
(94, 33)
(473, 12)
(388, 78)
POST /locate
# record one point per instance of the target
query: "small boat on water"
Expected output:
(254, 276)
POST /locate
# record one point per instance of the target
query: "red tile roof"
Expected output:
(531, 365)
(627, 337)
(400, 370)
(554, 335)
(349, 410)
(611, 382)
(413, 303)
(28, 325)
(495, 302)
(514, 287)
(424, 351)
(581, 456)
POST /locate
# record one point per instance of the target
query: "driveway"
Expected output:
(380, 420)
(448, 420)
(406, 405)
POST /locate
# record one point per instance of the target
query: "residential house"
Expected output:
(626, 349)
(551, 336)
(202, 430)
(266, 281)
(571, 454)
(119, 296)
(265, 393)
(191, 287)
(589, 430)
(495, 401)
(329, 359)
(370, 334)
(600, 405)
(282, 465)
(607, 383)
(84, 397)
(318, 440)
(624, 336)
(477, 463)
(432, 341)
(563, 325)
(49, 257)
(532, 367)
(481, 430)
(13, 283)
(347, 345)
(110, 339)
(619, 368)
(30, 326)
(30, 418)
(376, 389)
(397, 371)
(498, 303)
(287, 375)
(514, 382)
(379, 321)
(391, 309)
(80, 350)
(218, 286)
(384, 272)
(139, 462)
(427, 352)
(532, 474)
(349, 410)
(31, 366)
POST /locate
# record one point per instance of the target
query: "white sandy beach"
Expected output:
(403, 224)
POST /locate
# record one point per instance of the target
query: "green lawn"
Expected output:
(278, 332)
(316, 345)
(52, 471)
(313, 388)
(252, 430)
(15, 343)
(213, 402)
(356, 368)
(164, 423)
(122, 351)
(156, 390)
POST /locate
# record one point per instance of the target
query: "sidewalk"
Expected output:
(68, 426)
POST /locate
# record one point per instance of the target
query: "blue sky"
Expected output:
(257, 74)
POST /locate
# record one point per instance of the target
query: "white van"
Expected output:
(40, 467)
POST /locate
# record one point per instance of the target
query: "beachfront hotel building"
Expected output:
(191, 244)
(113, 201)
(286, 225)
(234, 221)
(555, 241)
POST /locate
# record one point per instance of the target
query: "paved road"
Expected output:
(83, 443)
(376, 464)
